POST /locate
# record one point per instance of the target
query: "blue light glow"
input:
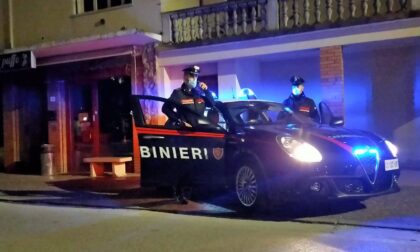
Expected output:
(287, 109)
(360, 151)
(247, 93)
(214, 95)
(365, 155)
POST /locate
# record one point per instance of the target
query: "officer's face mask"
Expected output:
(297, 90)
(192, 82)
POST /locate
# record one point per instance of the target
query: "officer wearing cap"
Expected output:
(194, 96)
(298, 102)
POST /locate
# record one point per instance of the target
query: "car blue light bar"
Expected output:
(366, 150)
(247, 93)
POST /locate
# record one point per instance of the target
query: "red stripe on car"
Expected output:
(170, 132)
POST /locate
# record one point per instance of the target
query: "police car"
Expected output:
(263, 152)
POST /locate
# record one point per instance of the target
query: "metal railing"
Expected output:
(240, 18)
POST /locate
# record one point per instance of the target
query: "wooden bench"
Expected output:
(97, 165)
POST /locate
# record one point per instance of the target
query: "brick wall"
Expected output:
(332, 78)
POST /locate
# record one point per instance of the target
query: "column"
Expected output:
(236, 74)
(332, 78)
(57, 130)
(143, 81)
(228, 80)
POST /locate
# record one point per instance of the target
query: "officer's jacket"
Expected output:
(302, 105)
(195, 99)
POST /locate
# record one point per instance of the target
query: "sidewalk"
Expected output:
(83, 191)
(400, 210)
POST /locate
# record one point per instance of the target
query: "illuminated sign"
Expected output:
(17, 61)
(173, 152)
(179, 153)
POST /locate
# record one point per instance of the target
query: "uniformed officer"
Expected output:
(298, 102)
(194, 96)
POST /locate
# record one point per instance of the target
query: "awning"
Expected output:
(75, 49)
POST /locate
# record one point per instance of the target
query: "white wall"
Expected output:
(415, 5)
(275, 75)
(236, 74)
(358, 89)
(172, 77)
(407, 135)
(382, 92)
(40, 21)
(3, 24)
(228, 83)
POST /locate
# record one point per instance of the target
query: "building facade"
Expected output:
(88, 57)
(360, 56)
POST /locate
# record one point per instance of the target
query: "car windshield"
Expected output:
(265, 113)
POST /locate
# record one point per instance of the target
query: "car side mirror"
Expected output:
(337, 121)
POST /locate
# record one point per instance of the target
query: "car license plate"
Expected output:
(391, 164)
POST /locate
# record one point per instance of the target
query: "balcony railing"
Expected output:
(236, 19)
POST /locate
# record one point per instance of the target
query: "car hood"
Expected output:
(339, 136)
(337, 146)
(337, 132)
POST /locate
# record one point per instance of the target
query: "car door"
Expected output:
(169, 155)
(327, 116)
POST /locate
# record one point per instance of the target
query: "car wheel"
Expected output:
(249, 187)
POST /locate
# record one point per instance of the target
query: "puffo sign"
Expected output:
(17, 61)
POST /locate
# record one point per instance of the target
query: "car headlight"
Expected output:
(300, 151)
(392, 148)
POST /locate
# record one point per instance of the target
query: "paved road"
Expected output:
(53, 228)
(401, 210)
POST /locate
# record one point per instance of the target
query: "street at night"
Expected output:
(53, 228)
(50, 215)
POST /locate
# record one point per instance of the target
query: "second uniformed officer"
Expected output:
(196, 97)
(192, 95)
(298, 102)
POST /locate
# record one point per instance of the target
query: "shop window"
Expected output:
(83, 6)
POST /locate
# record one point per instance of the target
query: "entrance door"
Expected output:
(82, 116)
(100, 119)
(115, 127)
(169, 154)
(34, 125)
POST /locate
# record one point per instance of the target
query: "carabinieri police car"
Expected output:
(263, 152)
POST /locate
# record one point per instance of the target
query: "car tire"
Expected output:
(249, 187)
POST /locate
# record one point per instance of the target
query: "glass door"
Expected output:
(82, 134)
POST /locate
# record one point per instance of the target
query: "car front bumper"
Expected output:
(335, 187)
(348, 187)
